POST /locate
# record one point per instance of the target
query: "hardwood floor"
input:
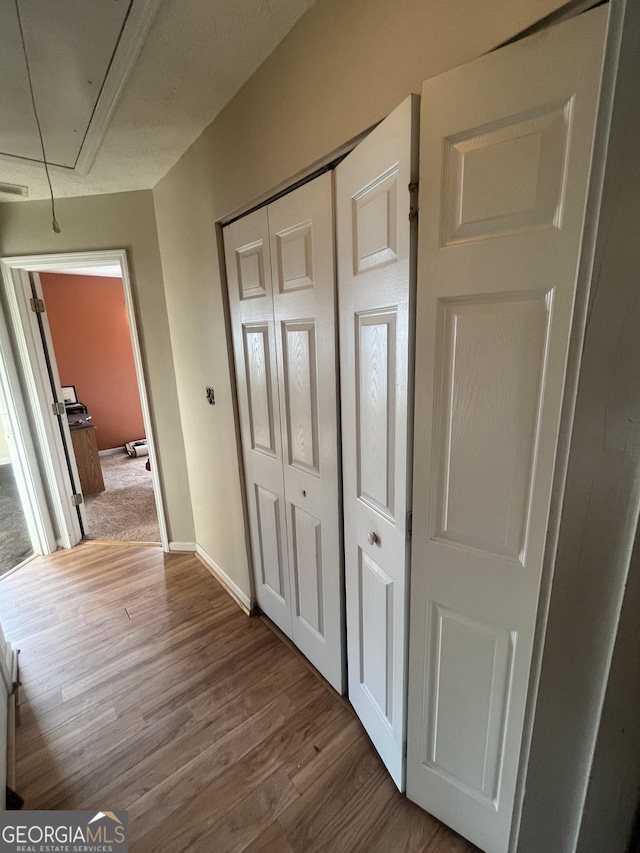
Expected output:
(146, 688)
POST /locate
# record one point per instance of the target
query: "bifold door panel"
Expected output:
(375, 243)
(280, 270)
(248, 256)
(506, 145)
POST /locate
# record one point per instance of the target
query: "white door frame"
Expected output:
(22, 452)
(15, 271)
(31, 356)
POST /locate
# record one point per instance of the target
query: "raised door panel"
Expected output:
(270, 539)
(301, 393)
(248, 263)
(376, 253)
(303, 272)
(294, 257)
(306, 532)
(508, 176)
(491, 360)
(259, 387)
(376, 658)
(463, 651)
(375, 222)
(375, 350)
(506, 146)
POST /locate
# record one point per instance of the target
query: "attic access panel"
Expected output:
(80, 53)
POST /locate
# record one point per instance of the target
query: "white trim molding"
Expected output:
(133, 35)
(182, 547)
(239, 596)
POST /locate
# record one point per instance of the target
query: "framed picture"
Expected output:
(69, 394)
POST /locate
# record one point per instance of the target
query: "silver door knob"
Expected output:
(372, 538)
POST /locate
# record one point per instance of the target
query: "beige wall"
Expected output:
(124, 220)
(343, 67)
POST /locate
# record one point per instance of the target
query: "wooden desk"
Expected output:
(85, 448)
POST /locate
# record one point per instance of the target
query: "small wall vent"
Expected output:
(14, 189)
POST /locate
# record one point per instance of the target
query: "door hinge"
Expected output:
(37, 305)
(77, 499)
(58, 408)
(404, 749)
(413, 203)
(410, 523)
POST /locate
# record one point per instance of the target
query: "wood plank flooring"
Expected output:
(146, 688)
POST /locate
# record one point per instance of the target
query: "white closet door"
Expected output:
(250, 298)
(303, 274)
(281, 278)
(506, 144)
(375, 271)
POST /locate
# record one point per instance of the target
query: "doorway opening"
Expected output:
(74, 328)
(92, 345)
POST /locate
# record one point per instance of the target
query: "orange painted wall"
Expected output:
(91, 339)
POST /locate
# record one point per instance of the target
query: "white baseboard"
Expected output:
(111, 451)
(6, 460)
(223, 578)
(182, 546)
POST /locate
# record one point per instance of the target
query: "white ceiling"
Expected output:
(195, 57)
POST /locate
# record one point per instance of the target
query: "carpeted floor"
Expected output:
(15, 542)
(126, 510)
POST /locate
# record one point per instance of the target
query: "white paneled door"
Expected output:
(376, 244)
(506, 145)
(303, 273)
(248, 260)
(280, 270)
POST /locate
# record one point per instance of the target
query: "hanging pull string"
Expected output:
(54, 221)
